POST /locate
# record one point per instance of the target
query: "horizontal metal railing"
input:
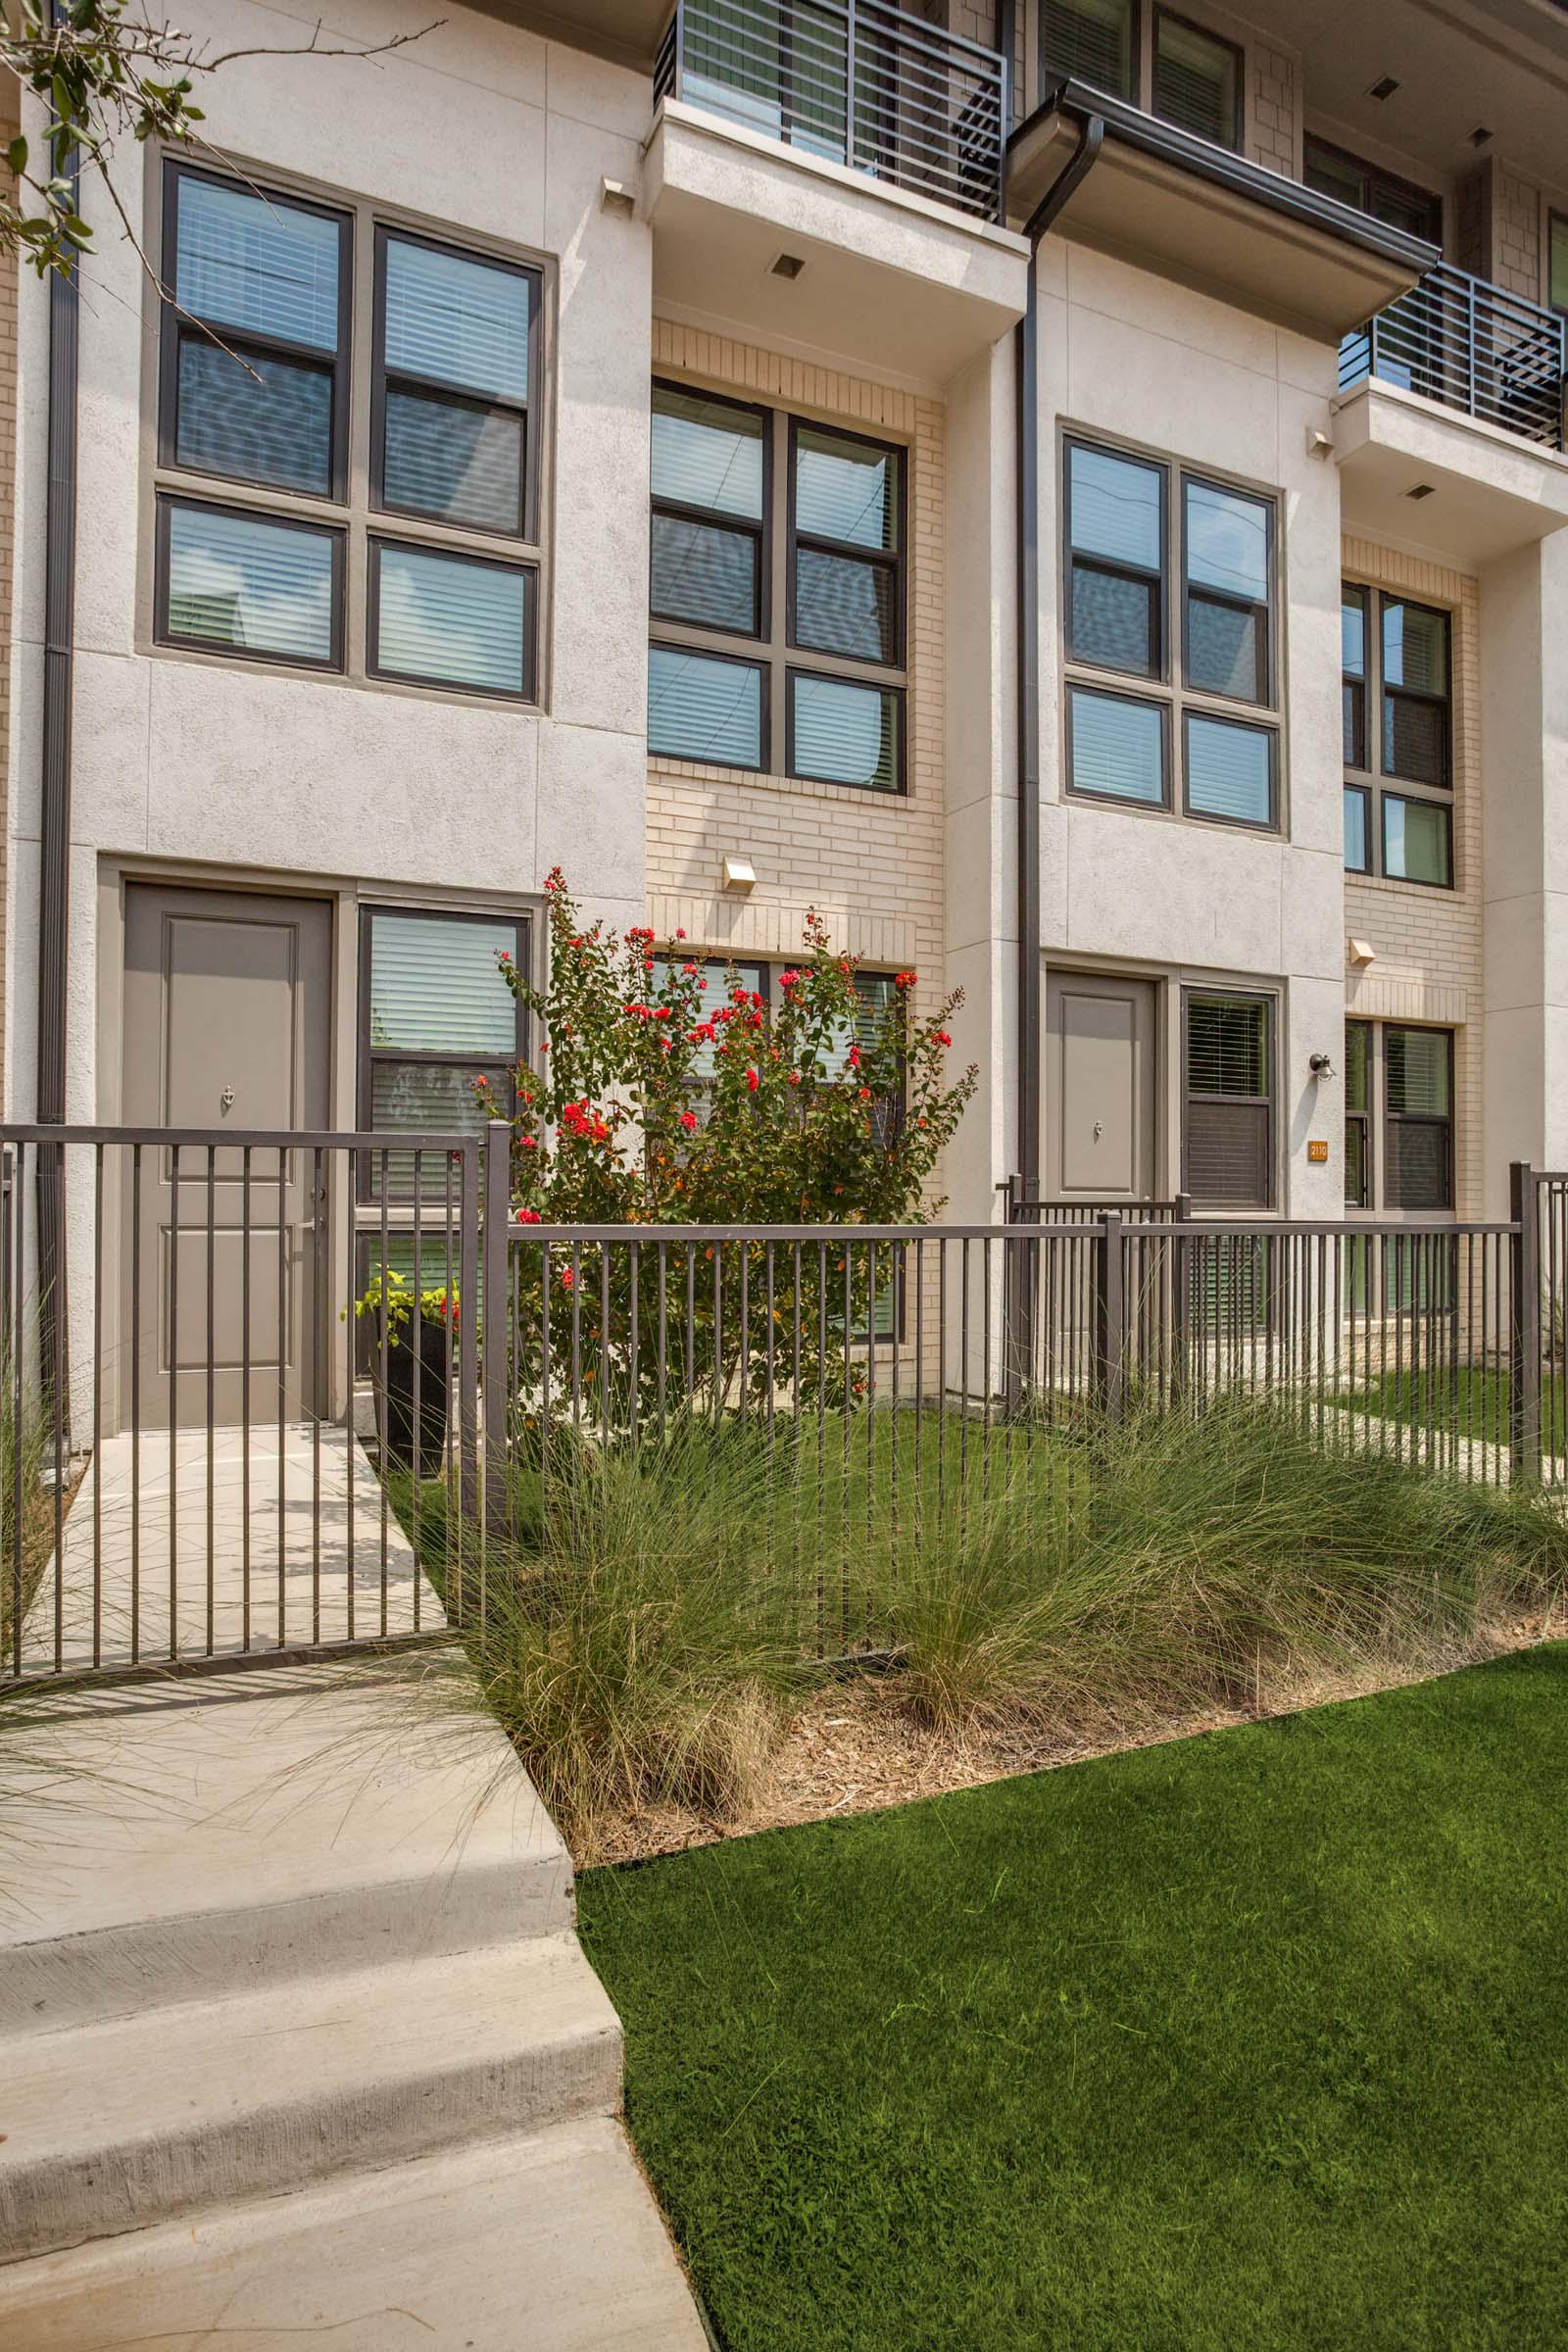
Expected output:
(853, 81)
(1470, 345)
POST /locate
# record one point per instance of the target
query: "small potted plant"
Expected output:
(428, 1340)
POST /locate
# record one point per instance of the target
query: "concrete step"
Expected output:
(548, 2240)
(221, 1833)
(128, 2122)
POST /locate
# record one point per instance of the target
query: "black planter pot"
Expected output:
(429, 1340)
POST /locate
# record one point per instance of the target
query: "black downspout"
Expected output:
(1024, 1192)
(54, 881)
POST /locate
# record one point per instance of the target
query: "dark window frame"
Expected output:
(178, 327)
(1050, 72)
(1372, 779)
(1196, 993)
(368, 1057)
(773, 648)
(1363, 794)
(1378, 1119)
(758, 528)
(1171, 691)
(1235, 145)
(1555, 220)
(1410, 800)
(1355, 682)
(335, 532)
(1263, 613)
(1363, 1118)
(1243, 726)
(385, 378)
(1372, 175)
(1160, 674)
(375, 544)
(1445, 1120)
(1388, 696)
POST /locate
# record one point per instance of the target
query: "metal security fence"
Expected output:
(287, 1392)
(852, 82)
(1471, 345)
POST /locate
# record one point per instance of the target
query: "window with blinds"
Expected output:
(1557, 262)
(1198, 81)
(1193, 742)
(435, 1014)
(1396, 691)
(1418, 1117)
(1357, 1115)
(255, 390)
(778, 593)
(1095, 41)
(1228, 1140)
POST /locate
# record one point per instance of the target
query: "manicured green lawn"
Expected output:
(1465, 1399)
(1254, 2040)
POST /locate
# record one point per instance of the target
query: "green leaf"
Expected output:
(17, 156)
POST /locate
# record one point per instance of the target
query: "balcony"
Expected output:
(852, 83)
(1470, 346)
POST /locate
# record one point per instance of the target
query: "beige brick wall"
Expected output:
(870, 863)
(1273, 123)
(1428, 942)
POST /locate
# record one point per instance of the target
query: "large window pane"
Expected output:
(1415, 739)
(1227, 542)
(1418, 1071)
(705, 574)
(1114, 620)
(261, 420)
(1118, 747)
(1415, 647)
(1416, 839)
(1418, 1089)
(257, 263)
(1094, 40)
(844, 606)
(455, 319)
(1227, 649)
(1197, 82)
(702, 707)
(1558, 279)
(843, 733)
(707, 453)
(457, 462)
(450, 621)
(1229, 1140)
(1230, 770)
(1357, 841)
(435, 985)
(258, 587)
(1116, 507)
(845, 489)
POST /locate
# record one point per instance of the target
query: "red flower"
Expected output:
(795, 1077)
(680, 934)
(531, 1143)
(865, 1093)
(568, 1277)
(753, 1080)
(942, 1039)
(904, 979)
(688, 1119)
(527, 1216)
(855, 1057)
(689, 970)
(788, 979)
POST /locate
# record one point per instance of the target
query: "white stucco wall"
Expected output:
(480, 127)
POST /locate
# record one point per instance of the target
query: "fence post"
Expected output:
(1524, 1327)
(468, 1335)
(494, 1241)
(1180, 1278)
(1108, 1368)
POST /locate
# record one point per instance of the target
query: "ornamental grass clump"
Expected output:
(1198, 1557)
(636, 1650)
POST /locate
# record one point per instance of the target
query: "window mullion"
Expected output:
(780, 557)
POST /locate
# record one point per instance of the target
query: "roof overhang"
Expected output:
(1169, 202)
(1430, 477)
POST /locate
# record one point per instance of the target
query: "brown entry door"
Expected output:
(1099, 1092)
(225, 1026)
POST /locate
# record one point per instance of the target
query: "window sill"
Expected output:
(307, 673)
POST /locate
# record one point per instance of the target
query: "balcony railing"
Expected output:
(1472, 346)
(852, 80)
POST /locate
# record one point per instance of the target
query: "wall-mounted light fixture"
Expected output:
(1321, 1065)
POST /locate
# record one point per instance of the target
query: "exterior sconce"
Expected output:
(1321, 1065)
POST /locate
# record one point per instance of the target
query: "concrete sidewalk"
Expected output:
(296, 2034)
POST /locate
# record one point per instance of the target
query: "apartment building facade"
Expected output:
(1073, 494)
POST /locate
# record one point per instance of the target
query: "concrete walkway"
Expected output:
(296, 2036)
(278, 1539)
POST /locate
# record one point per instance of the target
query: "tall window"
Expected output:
(777, 594)
(1190, 739)
(1197, 80)
(1369, 189)
(391, 532)
(1399, 1087)
(1162, 61)
(1396, 695)
(1557, 262)
(1228, 1141)
(435, 1014)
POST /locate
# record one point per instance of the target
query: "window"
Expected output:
(1198, 81)
(1398, 202)
(1123, 546)
(1095, 41)
(1557, 262)
(293, 569)
(1228, 1144)
(1397, 693)
(1398, 1083)
(777, 592)
(434, 1015)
